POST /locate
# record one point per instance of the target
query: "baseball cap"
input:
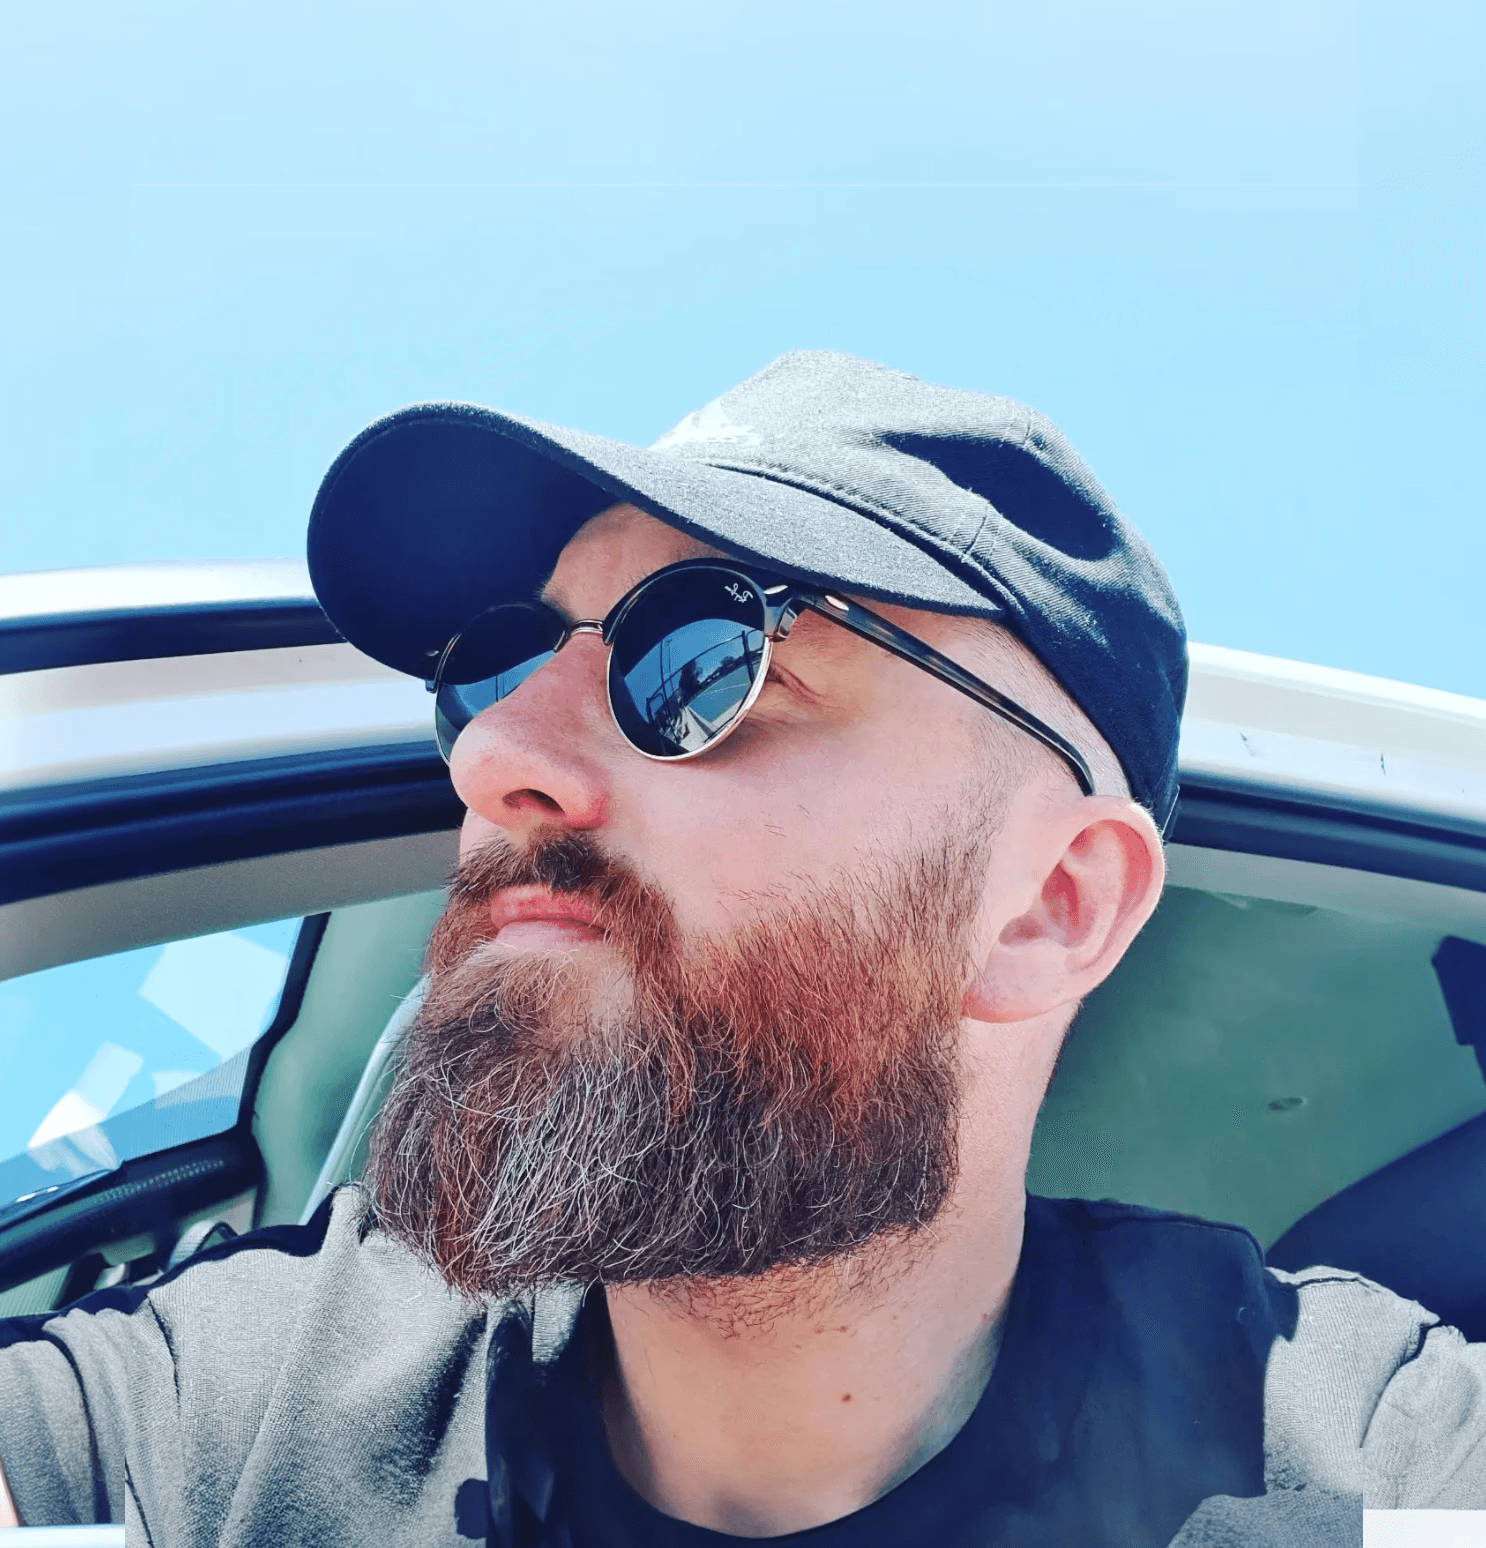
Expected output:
(822, 468)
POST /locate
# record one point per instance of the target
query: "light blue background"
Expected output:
(1233, 247)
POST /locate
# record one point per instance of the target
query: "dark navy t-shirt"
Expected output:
(1128, 1390)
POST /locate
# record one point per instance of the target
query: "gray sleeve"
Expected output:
(300, 1385)
(105, 1406)
(1372, 1396)
(67, 1385)
(1283, 1518)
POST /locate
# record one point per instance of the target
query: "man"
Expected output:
(817, 762)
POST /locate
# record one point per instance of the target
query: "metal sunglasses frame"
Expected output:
(783, 601)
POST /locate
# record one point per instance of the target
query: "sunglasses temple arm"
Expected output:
(890, 637)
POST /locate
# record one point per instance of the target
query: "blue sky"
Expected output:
(1234, 249)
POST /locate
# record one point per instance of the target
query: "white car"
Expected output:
(224, 833)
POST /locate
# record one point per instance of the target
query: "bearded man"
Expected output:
(817, 761)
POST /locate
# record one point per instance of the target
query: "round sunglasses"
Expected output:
(689, 652)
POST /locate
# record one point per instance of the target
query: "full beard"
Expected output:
(776, 1097)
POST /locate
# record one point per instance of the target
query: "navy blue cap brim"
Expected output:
(443, 509)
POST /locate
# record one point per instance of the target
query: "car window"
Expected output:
(118, 1056)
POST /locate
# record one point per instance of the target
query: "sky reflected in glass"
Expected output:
(90, 1040)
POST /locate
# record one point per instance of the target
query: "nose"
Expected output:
(538, 758)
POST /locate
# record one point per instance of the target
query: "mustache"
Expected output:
(563, 861)
(633, 912)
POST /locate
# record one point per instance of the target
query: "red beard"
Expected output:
(778, 1096)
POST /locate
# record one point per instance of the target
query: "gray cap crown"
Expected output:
(822, 467)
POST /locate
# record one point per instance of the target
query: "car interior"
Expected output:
(1294, 1043)
(1276, 1039)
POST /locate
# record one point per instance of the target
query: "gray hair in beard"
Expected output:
(781, 1095)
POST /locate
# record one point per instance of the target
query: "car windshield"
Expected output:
(123, 1055)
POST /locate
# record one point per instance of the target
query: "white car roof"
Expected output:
(1253, 722)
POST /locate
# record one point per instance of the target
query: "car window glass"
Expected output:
(118, 1056)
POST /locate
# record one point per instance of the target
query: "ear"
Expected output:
(1103, 884)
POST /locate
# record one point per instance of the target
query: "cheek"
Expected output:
(715, 839)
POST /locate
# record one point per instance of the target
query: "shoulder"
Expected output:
(1146, 1251)
(1364, 1392)
(1370, 1394)
(336, 1277)
(333, 1282)
(325, 1341)
(1104, 1216)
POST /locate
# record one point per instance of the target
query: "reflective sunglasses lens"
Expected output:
(684, 659)
(493, 656)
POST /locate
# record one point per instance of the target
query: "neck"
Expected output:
(768, 1406)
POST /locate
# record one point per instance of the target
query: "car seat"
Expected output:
(347, 1151)
(1418, 1225)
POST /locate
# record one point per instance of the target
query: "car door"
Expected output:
(218, 824)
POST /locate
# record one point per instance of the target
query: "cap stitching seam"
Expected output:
(938, 549)
(974, 537)
(781, 473)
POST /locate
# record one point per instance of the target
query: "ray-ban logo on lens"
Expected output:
(736, 592)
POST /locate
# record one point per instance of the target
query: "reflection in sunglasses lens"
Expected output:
(684, 661)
